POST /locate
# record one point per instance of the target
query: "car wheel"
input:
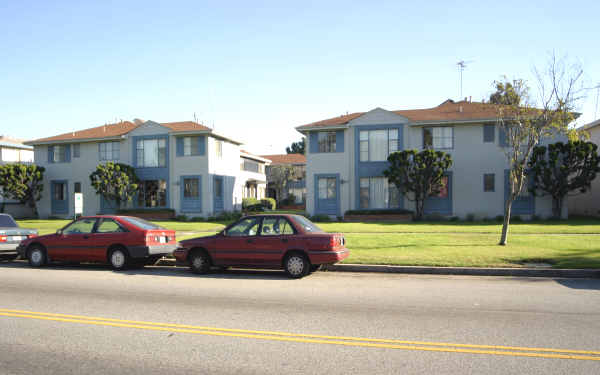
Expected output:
(296, 265)
(118, 259)
(199, 262)
(36, 256)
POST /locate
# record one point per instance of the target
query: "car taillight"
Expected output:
(3, 238)
(31, 235)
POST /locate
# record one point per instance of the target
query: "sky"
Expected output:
(255, 70)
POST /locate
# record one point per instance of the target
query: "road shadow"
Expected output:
(582, 284)
(170, 271)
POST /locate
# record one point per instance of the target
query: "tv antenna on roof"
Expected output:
(597, 88)
(462, 64)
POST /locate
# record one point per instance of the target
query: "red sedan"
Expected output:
(291, 242)
(118, 240)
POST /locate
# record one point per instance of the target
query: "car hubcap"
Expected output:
(118, 259)
(198, 262)
(36, 257)
(295, 265)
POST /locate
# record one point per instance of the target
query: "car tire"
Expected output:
(199, 262)
(36, 256)
(118, 259)
(296, 265)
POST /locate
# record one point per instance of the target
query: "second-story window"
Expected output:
(219, 148)
(109, 150)
(60, 154)
(151, 153)
(326, 141)
(377, 145)
(440, 137)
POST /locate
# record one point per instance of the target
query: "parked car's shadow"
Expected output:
(172, 271)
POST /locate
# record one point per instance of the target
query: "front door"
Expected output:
(218, 194)
(327, 191)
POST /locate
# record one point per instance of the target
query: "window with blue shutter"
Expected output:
(502, 139)
(339, 141)
(191, 146)
(489, 133)
(313, 142)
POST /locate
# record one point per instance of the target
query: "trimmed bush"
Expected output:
(126, 211)
(379, 212)
(320, 218)
(247, 202)
(268, 203)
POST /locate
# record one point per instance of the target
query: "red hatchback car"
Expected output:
(291, 242)
(118, 240)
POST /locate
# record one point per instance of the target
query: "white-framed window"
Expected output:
(151, 153)
(327, 188)
(439, 137)
(187, 146)
(219, 148)
(327, 141)
(109, 150)
(76, 150)
(377, 192)
(377, 145)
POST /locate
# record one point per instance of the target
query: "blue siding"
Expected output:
(67, 153)
(489, 132)
(339, 141)
(327, 206)
(372, 168)
(521, 205)
(441, 206)
(153, 173)
(179, 141)
(201, 145)
(57, 206)
(191, 204)
(502, 141)
(313, 142)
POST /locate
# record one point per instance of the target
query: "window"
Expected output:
(80, 226)
(251, 166)
(191, 188)
(327, 188)
(219, 148)
(60, 154)
(152, 193)
(187, 146)
(274, 226)
(7, 222)
(443, 188)
(246, 227)
(377, 145)
(109, 226)
(109, 150)
(60, 191)
(76, 150)
(151, 153)
(489, 183)
(77, 187)
(308, 225)
(525, 193)
(438, 137)
(489, 133)
(326, 141)
(141, 223)
(377, 192)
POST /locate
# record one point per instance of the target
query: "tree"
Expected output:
(297, 147)
(279, 176)
(524, 124)
(115, 182)
(22, 182)
(562, 168)
(418, 175)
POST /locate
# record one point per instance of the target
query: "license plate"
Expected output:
(163, 240)
(17, 238)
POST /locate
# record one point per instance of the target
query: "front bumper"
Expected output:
(146, 251)
(328, 257)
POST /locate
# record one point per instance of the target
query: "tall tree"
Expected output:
(279, 176)
(116, 182)
(22, 182)
(563, 168)
(524, 124)
(297, 147)
(418, 175)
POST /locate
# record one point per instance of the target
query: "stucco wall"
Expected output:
(588, 204)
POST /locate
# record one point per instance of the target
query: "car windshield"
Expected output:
(308, 225)
(7, 222)
(141, 223)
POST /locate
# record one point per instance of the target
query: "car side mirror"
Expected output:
(59, 232)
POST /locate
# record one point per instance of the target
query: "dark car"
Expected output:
(291, 242)
(11, 236)
(118, 240)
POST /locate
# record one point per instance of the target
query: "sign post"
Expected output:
(78, 204)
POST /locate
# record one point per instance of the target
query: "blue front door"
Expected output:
(327, 194)
(218, 193)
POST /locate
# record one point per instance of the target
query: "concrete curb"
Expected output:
(467, 271)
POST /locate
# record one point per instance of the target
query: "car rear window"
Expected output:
(7, 222)
(308, 225)
(141, 223)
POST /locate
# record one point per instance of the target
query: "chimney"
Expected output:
(460, 109)
(470, 99)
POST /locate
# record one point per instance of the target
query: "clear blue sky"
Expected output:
(258, 69)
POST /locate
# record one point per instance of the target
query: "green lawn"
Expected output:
(564, 244)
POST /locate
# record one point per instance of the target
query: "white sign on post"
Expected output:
(78, 204)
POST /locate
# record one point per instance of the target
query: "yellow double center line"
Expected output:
(515, 351)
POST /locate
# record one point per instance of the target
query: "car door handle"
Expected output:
(249, 240)
(86, 237)
(284, 240)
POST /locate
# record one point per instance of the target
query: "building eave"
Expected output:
(79, 140)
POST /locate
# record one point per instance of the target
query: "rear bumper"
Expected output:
(146, 251)
(328, 257)
(9, 247)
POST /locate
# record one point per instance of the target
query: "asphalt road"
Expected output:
(89, 319)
